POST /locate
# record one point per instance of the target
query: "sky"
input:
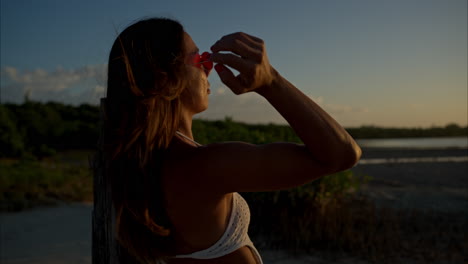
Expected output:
(399, 63)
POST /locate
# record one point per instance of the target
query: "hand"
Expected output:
(248, 57)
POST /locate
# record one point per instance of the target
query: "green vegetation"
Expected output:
(27, 182)
(41, 164)
(450, 130)
(330, 217)
(351, 225)
(42, 129)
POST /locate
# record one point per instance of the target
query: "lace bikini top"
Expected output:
(235, 236)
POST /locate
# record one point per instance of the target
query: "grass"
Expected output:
(28, 182)
(326, 217)
(336, 221)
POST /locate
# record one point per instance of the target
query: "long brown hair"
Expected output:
(146, 76)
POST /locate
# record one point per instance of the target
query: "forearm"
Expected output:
(327, 141)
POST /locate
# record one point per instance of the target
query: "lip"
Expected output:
(209, 91)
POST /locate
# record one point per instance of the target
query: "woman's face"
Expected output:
(195, 96)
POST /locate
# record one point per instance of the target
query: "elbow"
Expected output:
(340, 157)
(350, 156)
(344, 157)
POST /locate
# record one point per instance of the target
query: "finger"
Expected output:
(238, 47)
(238, 44)
(254, 39)
(228, 78)
(233, 61)
(248, 39)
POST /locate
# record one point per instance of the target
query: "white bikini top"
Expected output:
(235, 236)
(189, 139)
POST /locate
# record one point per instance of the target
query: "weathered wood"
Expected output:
(102, 244)
(105, 248)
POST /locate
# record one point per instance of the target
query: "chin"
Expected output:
(205, 105)
(202, 109)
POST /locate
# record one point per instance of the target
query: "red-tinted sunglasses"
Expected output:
(203, 62)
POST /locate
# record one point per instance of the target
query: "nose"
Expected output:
(206, 63)
(207, 71)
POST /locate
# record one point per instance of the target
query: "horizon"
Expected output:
(230, 118)
(390, 64)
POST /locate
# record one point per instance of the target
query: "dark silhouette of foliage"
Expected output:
(11, 142)
(41, 129)
(451, 130)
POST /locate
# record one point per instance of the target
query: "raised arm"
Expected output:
(325, 139)
(236, 166)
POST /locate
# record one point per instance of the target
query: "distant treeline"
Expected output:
(41, 129)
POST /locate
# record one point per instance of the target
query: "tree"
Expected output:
(11, 142)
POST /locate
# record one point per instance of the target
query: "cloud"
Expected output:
(76, 86)
(342, 109)
(249, 107)
(253, 108)
(87, 85)
(221, 90)
(337, 108)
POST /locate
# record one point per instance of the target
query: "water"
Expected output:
(414, 160)
(52, 235)
(63, 234)
(417, 143)
(430, 150)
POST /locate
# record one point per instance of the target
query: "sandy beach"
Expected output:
(440, 186)
(63, 234)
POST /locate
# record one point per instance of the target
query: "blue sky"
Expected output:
(387, 63)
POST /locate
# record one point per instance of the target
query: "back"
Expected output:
(199, 218)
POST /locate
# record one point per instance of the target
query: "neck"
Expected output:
(185, 125)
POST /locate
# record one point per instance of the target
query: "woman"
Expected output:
(177, 201)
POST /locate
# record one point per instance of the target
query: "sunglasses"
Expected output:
(203, 62)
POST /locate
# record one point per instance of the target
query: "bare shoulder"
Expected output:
(227, 167)
(200, 218)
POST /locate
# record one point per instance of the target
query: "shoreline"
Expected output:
(440, 186)
(400, 152)
(62, 233)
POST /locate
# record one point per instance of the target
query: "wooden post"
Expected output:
(105, 248)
